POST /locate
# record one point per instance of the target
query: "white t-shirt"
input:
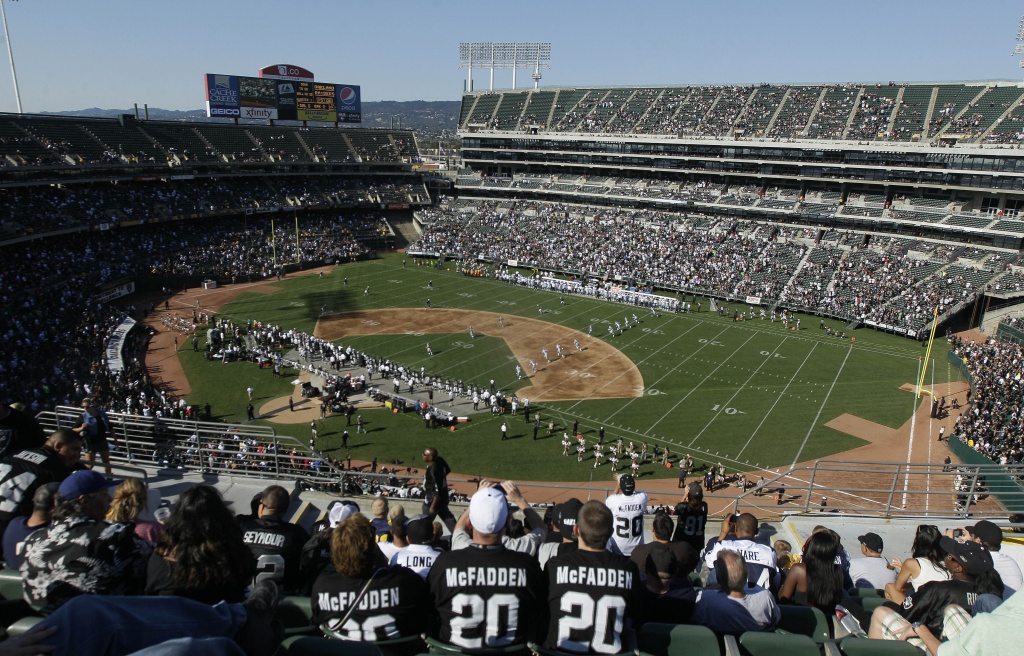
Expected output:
(1009, 571)
(627, 521)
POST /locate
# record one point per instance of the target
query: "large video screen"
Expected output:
(235, 96)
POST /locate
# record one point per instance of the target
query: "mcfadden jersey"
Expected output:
(487, 597)
(628, 521)
(391, 608)
(592, 601)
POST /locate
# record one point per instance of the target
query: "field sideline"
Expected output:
(747, 394)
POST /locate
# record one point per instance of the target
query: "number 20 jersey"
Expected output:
(593, 597)
(487, 597)
(627, 521)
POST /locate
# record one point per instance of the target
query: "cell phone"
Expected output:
(958, 533)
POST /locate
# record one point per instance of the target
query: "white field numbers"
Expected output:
(472, 610)
(605, 616)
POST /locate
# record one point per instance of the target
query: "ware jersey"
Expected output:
(487, 596)
(593, 597)
(277, 546)
(391, 608)
(762, 564)
(628, 521)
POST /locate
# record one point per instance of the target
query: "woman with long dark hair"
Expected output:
(200, 554)
(924, 565)
(817, 580)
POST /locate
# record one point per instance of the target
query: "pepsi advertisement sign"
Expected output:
(349, 109)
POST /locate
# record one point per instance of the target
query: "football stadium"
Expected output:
(282, 361)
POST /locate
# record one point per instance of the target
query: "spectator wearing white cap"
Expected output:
(872, 570)
(486, 595)
(528, 543)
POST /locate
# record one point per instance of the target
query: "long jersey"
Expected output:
(628, 521)
(487, 597)
(593, 597)
(391, 608)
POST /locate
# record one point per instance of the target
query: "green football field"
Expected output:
(747, 394)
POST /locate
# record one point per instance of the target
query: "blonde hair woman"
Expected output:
(131, 501)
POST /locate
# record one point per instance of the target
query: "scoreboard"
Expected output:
(233, 96)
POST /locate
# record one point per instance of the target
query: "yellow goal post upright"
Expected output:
(928, 351)
(273, 242)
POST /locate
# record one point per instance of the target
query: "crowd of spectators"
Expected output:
(55, 333)
(51, 141)
(891, 281)
(26, 211)
(378, 575)
(991, 423)
(854, 112)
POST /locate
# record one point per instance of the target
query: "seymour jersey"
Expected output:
(487, 596)
(391, 608)
(628, 521)
(277, 546)
(592, 600)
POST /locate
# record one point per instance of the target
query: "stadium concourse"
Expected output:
(883, 444)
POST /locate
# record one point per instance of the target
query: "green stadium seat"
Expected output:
(296, 614)
(866, 593)
(757, 643)
(854, 646)
(871, 603)
(678, 640)
(23, 625)
(310, 646)
(805, 621)
(10, 584)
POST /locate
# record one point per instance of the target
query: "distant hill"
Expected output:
(430, 119)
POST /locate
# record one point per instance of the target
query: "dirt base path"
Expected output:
(599, 371)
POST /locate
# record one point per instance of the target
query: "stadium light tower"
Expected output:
(10, 56)
(1020, 41)
(504, 55)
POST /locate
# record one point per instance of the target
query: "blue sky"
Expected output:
(72, 54)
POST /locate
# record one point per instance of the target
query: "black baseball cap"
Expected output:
(971, 555)
(419, 529)
(872, 541)
(566, 513)
(987, 532)
(627, 484)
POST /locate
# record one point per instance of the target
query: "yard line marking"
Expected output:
(781, 394)
(697, 386)
(670, 371)
(736, 393)
(796, 459)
